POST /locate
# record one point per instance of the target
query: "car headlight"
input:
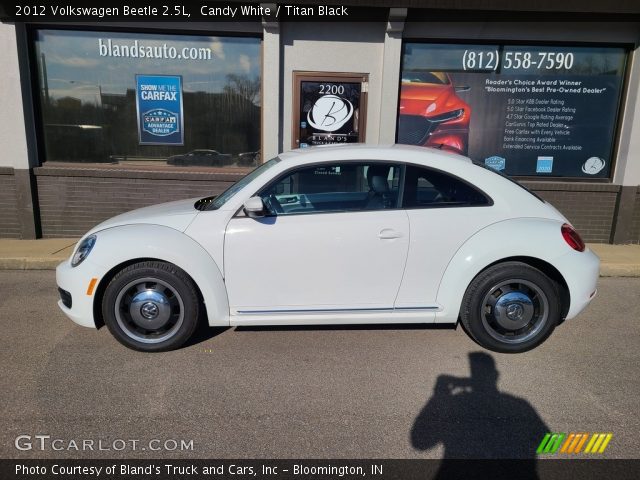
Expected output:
(83, 250)
(445, 117)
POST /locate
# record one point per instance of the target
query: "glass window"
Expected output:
(225, 196)
(525, 110)
(426, 188)
(149, 99)
(339, 187)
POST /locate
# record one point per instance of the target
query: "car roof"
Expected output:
(360, 151)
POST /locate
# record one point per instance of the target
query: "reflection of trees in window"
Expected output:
(244, 86)
(227, 121)
(74, 131)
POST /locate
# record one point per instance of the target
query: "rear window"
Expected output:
(425, 188)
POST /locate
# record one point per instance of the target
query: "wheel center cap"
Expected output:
(149, 310)
(514, 311)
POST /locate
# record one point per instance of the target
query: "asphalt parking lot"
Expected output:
(356, 392)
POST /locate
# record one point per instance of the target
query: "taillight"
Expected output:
(572, 237)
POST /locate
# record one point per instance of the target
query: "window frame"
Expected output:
(401, 187)
(488, 197)
(543, 42)
(395, 163)
(34, 120)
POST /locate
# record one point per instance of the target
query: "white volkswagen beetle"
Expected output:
(354, 234)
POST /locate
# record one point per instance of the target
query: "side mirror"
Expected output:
(254, 207)
(462, 88)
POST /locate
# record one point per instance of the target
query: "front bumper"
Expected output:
(75, 282)
(581, 271)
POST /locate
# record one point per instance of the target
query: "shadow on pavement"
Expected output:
(203, 333)
(472, 419)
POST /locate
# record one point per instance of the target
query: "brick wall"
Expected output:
(9, 226)
(635, 225)
(74, 200)
(590, 207)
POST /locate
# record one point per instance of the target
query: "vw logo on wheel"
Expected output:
(149, 310)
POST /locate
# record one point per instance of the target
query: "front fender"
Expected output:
(128, 242)
(519, 237)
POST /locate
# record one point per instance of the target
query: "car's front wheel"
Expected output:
(151, 306)
(511, 307)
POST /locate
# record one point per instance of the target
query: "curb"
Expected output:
(28, 263)
(613, 270)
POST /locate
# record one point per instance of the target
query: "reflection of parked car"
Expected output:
(201, 158)
(321, 236)
(246, 159)
(431, 113)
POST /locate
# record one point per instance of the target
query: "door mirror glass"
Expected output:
(254, 207)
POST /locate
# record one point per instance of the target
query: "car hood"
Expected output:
(177, 215)
(416, 99)
(427, 92)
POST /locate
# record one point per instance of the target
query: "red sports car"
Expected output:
(431, 113)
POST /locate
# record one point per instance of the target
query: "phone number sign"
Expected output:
(159, 109)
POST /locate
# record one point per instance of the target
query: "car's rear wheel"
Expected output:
(511, 307)
(151, 306)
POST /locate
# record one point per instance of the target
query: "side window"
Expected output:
(340, 187)
(426, 188)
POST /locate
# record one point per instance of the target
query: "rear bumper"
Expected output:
(581, 271)
(74, 281)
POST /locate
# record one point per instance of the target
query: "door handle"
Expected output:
(389, 234)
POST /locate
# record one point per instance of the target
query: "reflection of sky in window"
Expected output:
(425, 56)
(76, 69)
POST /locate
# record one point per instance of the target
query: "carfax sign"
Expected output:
(159, 107)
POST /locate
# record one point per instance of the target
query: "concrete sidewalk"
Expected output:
(46, 254)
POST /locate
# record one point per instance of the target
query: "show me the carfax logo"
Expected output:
(573, 443)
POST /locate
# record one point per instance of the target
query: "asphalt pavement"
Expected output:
(347, 392)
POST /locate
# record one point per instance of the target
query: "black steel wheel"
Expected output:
(151, 306)
(511, 307)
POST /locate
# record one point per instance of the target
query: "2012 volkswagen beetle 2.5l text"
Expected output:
(353, 234)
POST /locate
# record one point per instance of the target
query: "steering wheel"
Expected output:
(272, 204)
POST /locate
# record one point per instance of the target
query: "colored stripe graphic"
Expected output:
(543, 443)
(582, 442)
(570, 438)
(607, 439)
(598, 443)
(550, 443)
(573, 442)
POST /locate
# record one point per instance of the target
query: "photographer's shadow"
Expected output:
(472, 419)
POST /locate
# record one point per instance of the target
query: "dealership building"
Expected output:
(101, 117)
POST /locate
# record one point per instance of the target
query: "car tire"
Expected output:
(151, 306)
(511, 307)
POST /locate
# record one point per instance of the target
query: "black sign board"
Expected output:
(330, 111)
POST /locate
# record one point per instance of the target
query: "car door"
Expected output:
(334, 240)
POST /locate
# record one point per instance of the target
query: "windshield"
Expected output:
(221, 199)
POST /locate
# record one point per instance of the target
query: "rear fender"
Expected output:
(520, 237)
